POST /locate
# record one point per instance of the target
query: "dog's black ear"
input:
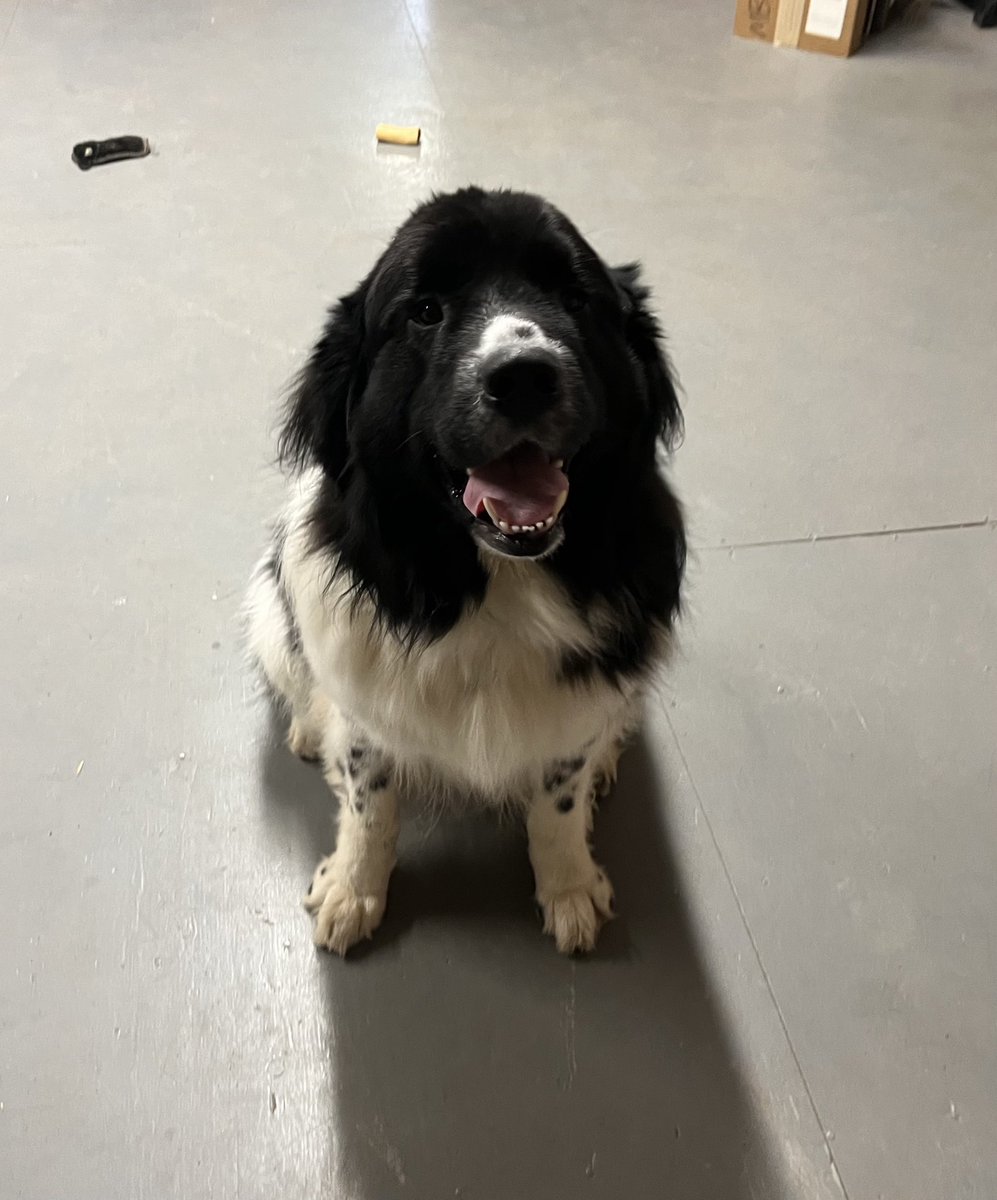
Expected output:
(316, 422)
(644, 337)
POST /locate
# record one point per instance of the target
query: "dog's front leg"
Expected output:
(349, 889)
(573, 891)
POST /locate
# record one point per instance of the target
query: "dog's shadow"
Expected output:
(467, 1058)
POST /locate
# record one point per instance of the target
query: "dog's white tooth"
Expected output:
(503, 526)
(560, 502)
(558, 463)
(491, 511)
(468, 470)
(516, 528)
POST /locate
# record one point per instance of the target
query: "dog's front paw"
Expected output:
(343, 915)
(575, 915)
(305, 740)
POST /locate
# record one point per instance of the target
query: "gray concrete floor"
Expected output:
(799, 998)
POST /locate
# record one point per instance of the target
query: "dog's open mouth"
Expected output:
(518, 497)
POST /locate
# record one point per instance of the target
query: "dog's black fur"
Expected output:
(383, 409)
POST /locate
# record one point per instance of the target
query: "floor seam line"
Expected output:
(811, 539)
(422, 53)
(10, 25)
(758, 958)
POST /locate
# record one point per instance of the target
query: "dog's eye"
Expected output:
(427, 311)
(575, 300)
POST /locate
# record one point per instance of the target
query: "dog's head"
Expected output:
(490, 376)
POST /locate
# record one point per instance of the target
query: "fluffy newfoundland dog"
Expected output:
(479, 563)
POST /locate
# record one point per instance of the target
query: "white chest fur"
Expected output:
(480, 708)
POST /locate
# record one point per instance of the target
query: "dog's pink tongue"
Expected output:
(521, 486)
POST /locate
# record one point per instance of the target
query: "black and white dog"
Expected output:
(479, 563)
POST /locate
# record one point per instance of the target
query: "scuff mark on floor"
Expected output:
(569, 1030)
(377, 1139)
(140, 891)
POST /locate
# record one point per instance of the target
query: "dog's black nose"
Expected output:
(522, 384)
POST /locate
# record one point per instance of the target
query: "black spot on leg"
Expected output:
(358, 806)
(566, 804)
(321, 870)
(357, 755)
(379, 783)
(561, 771)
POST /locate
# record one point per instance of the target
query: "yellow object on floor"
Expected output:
(399, 135)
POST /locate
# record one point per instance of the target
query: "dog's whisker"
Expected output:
(411, 438)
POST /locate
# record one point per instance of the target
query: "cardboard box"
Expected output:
(827, 26)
